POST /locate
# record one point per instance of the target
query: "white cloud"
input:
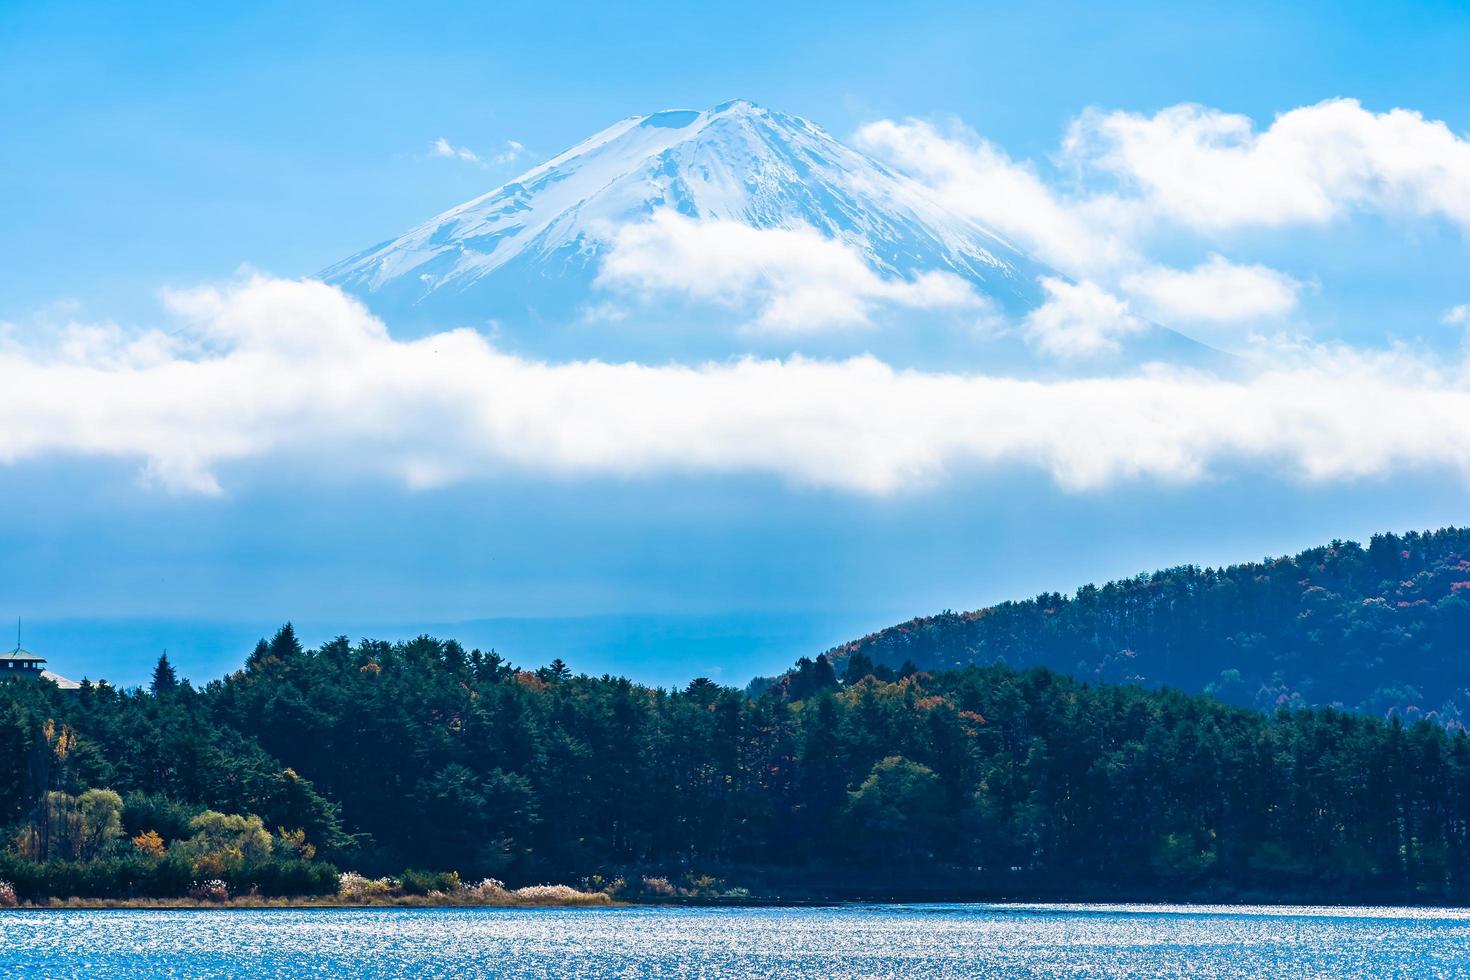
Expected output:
(441, 147)
(1457, 316)
(1125, 183)
(799, 280)
(978, 179)
(1216, 291)
(1079, 320)
(1212, 170)
(280, 370)
(510, 153)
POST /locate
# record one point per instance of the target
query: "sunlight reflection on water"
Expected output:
(872, 942)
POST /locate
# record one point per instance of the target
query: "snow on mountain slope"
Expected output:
(738, 162)
(832, 235)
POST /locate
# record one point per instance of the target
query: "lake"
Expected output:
(867, 941)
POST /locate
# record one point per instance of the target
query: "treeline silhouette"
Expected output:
(984, 781)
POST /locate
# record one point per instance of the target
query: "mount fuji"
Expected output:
(531, 259)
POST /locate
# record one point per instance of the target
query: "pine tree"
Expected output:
(164, 678)
(285, 647)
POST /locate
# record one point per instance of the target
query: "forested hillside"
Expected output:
(1383, 630)
(985, 781)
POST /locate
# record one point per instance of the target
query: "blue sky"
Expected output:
(185, 139)
(166, 145)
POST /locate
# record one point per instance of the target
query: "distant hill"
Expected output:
(1383, 630)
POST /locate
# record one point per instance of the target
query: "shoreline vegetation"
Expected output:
(985, 783)
(566, 897)
(355, 892)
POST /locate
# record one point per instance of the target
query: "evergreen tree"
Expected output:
(383, 756)
(284, 646)
(164, 679)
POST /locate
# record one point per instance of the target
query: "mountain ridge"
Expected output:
(1382, 630)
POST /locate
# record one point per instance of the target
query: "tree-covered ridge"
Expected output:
(381, 756)
(1383, 630)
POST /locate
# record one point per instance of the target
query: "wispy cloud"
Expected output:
(509, 153)
(272, 370)
(795, 280)
(974, 177)
(1216, 292)
(444, 149)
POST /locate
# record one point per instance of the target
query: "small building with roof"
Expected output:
(21, 664)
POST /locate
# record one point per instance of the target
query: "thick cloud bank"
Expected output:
(276, 370)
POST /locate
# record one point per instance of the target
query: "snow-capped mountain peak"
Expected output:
(694, 234)
(736, 162)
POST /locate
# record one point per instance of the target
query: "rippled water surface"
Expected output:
(873, 941)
